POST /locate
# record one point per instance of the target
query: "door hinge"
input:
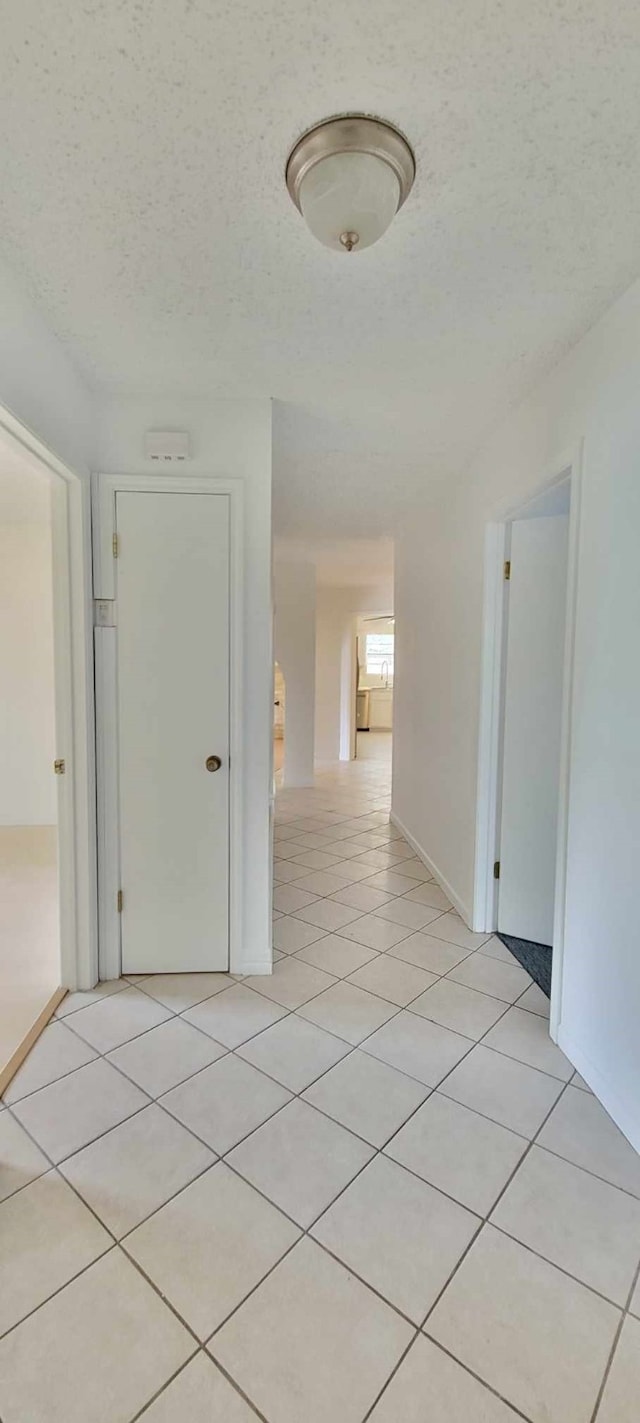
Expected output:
(115, 545)
(507, 570)
(59, 767)
(496, 870)
(120, 901)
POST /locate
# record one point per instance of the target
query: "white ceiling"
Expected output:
(142, 201)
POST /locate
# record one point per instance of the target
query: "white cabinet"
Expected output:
(381, 708)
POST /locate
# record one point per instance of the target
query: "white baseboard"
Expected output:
(252, 966)
(625, 1112)
(457, 902)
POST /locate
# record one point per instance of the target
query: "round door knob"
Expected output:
(213, 763)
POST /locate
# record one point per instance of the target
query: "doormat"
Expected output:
(536, 958)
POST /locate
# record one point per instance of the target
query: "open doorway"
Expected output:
(30, 968)
(375, 666)
(524, 739)
(279, 713)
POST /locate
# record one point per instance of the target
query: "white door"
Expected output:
(173, 717)
(532, 720)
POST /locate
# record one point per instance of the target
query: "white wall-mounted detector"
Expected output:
(166, 446)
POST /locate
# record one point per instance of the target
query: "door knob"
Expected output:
(213, 763)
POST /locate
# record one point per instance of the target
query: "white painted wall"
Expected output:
(591, 394)
(27, 705)
(232, 439)
(295, 651)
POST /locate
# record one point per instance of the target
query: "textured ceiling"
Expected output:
(142, 202)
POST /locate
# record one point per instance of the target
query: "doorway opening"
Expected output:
(375, 667)
(37, 874)
(279, 719)
(524, 734)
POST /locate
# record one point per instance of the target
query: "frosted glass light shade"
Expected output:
(349, 193)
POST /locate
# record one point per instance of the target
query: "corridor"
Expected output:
(367, 1187)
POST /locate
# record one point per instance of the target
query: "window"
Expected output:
(379, 654)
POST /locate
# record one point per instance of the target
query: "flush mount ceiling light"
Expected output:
(348, 177)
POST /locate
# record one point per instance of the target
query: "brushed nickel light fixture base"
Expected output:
(348, 176)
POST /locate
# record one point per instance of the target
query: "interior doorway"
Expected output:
(279, 718)
(32, 796)
(375, 671)
(524, 737)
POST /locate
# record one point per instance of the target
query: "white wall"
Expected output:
(27, 706)
(232, 439)
(592, 394)
(295, 651)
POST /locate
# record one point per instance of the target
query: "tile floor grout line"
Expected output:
(626, 1314)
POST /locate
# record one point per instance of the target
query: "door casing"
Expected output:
(104, 490)
(489, 785)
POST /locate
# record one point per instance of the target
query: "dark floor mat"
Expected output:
(536, 958)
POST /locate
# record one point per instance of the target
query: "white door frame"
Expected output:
(73, 670)
(497, 544)
(105, 487)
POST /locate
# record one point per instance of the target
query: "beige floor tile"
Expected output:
(210, 1246)
(291, 984)
(225, 1102)
(183, 990)
(324, 882)
(46, 1237)
(70, 1113)
(457, 1150)
(453, 929)
(294, 1051)
(393, 979)
(525, 1036)
(349, 1012)
(291, 934)
(300, 1160)
(430, 894)
(580, 1130)
(578, 1081)
(73, 1002)
(200, 1394)
(393, 882)
(316, 859)
(429, 1387)
(328, 915)
(534, 1000)
(498, 1087)
(576, 1221)
(116, 1019)
(56, 1052)
(375, 933)
(495, 948)
(289, 899)
(404, 911)
(362, 896)
(167, 1055)
(635, 1300)
(287, 871)
(500, 980)
(423, 1050)
(462, 1009)
(136, 1168)
(366, 1096)
(536, 1336)
(21, 1161)
(312, 1343)
(400, 1235)
(95, 1353)
(233, 1017)
(428, 952)
(336, 955)
(622, 1389)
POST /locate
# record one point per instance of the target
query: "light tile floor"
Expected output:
(369, 1187)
